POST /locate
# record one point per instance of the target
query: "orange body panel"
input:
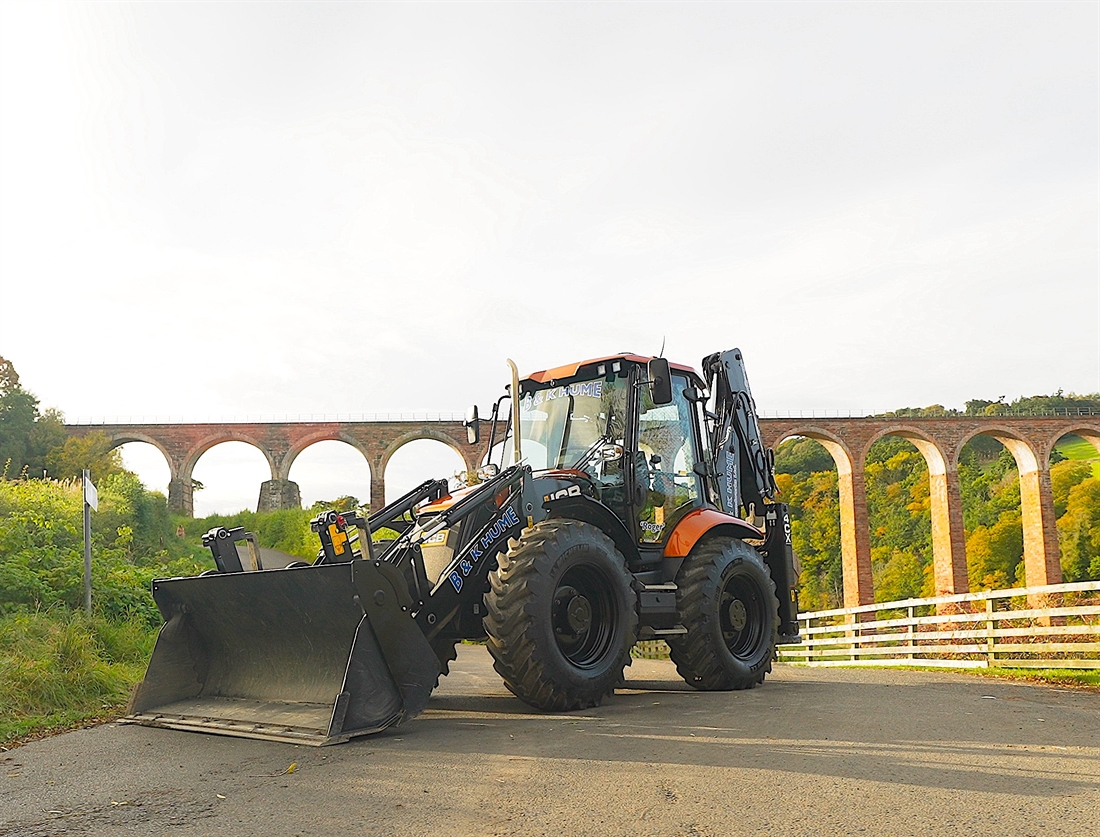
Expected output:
(696, 524)
(446, 501)
(570, 369)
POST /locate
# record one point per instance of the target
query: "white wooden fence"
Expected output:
(1056, 626)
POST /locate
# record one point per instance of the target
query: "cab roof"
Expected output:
(569, 370)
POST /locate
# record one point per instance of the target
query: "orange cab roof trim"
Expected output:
(571, 369)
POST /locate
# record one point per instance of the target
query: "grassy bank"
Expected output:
(60, 669)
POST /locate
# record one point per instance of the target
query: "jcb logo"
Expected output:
(571, 491)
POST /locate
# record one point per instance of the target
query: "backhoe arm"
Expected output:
(744, 467)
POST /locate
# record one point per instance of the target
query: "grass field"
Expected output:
(1074, 447)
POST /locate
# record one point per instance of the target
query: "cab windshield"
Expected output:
(564, 426)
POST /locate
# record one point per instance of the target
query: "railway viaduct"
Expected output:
(848, 440)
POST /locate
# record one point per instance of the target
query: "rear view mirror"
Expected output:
(473, 426)
(660, 381)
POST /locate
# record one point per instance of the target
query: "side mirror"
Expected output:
(660, 381)
(473, 426)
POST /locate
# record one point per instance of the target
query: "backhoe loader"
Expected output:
(626, 498)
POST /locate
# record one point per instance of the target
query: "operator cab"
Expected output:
(625, 427)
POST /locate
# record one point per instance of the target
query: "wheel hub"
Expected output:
(738, 615)
(583, 615)
(578, 614)
(741, 613)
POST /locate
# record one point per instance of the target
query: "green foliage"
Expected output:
(1076, 449)
(808, 483)
(26, 434)
(920, 412)
(133, 542)
(1036, 405)
(994, 553)
(802, 456)
(900, 516)
(1079, 531)
(58, 667)
(94, 451)
(346, 503)
(286, 530)
(1064, 476)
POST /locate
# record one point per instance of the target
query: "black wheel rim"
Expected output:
(584, 614)
(741, 615)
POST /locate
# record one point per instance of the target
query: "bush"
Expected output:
(133, 542)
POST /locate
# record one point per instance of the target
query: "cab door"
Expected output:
(666, 483)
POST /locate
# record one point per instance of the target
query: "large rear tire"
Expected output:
(561, 616)
(727, 602)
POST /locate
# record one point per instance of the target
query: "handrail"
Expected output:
(289, 418)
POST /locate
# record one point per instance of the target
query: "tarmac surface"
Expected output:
(812, 752)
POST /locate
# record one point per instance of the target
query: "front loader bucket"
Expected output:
(309, 655)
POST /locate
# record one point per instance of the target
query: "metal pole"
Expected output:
(87, 544)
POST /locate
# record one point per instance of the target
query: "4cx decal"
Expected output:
(571, 491)
(506, 521)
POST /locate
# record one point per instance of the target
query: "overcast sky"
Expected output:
(214, 210)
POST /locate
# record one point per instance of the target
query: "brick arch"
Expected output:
(833, 444)
(929, 448)
(326, 435)
(945, 501)
(1089, 432)
(1024, 451)
(119, 440)
(1042, 560)
(379, 464)
(213, 440)
(431, 434)
(855, 536)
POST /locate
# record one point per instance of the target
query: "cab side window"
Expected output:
(666, 440)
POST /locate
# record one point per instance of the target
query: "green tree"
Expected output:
(994, 554)
(94, 451)
(26, 435)
(900, 519)
(802, 456)
(1059, 402)
(1079, 531)
(1064, 476)
(815, 520)
(345, 503)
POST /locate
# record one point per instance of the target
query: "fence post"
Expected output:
(910, 633)
(990, 654)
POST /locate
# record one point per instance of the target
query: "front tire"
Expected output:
(727, 602)
(561, 616)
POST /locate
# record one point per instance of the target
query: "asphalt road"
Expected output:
(815, 752)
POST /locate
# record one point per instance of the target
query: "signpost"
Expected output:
(91, 501)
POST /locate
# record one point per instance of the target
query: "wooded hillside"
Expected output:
(899, 508)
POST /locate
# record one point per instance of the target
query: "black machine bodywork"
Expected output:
(355, 642)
